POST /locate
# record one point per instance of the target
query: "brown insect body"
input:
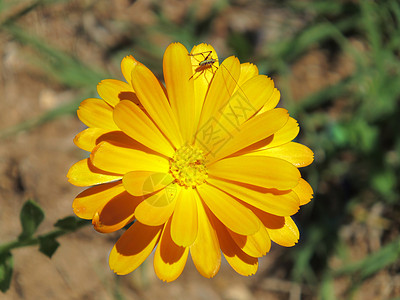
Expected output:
(205, 64)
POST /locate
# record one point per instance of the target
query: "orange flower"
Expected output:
(203, 165)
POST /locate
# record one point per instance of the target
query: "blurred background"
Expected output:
(337, 66)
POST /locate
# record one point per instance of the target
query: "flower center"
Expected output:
(188, 167)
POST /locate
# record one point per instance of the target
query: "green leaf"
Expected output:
(6, 270)
(48, 245)
(384, 181)
(70, 223)
(31, 216)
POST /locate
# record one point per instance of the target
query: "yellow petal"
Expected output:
(90, 200)
(91, 137)
(229, 211)
(156, 209)
(139, 183)
(281, 230)
(220, 91)
(153, 99)
(271, 102)
(295, 153)
(83, 173)
(169, 258)
(281, 203)
(243, 105)
(177, 72)
(202, 79)
(241, 262)
(255, 245)
(304, 191)
(135, 123)
(184, 220)
(246, 101)
(121, 160)
(270, 221)
(116, 213)
(120, 138)
(110, 90)
(250, 132)
(284, 135)
(267, 172)
(96, 113)
(286, 236)
(247, 71)
(88, 138)
(205, 251)
(133, 247)
(128, 63)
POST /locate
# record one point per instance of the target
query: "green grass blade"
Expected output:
(66, 109)
(372, 264)
(68, 70)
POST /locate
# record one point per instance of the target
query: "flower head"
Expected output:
(203, 165)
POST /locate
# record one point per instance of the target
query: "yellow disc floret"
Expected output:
(188, 167)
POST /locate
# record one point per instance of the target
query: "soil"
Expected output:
(34, 163)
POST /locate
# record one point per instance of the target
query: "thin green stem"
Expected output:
(35, 240)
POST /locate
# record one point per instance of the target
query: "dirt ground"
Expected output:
(34, 164)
